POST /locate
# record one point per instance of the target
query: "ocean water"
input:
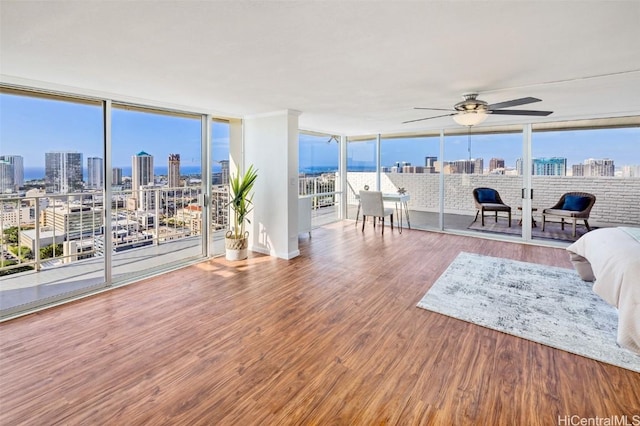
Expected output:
(316, 170)
(313, 170)
(37, 173)
(33, 173)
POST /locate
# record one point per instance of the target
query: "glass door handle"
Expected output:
(522, 194)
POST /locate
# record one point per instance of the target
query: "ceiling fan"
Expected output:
(472, 111)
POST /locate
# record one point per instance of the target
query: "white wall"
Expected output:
(271, 145)
(236, 146)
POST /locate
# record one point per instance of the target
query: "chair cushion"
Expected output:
(487, 196)
(575, 203)
(491, 207)
(564, 213)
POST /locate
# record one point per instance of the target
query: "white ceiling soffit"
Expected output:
(351, 67)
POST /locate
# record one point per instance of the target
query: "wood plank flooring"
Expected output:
(331, 337)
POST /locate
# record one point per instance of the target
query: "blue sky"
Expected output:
(621, 145)
(31, 126)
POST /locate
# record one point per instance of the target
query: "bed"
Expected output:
(610, 257)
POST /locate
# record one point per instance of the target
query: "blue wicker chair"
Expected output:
(571, 206)
(488, 200)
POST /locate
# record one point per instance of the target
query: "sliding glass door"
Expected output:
(157, 209)
(604, 163)
(52, 198)
(362, 158)
(95, 193)
(318, 176)
(409, 164)
(490, 161)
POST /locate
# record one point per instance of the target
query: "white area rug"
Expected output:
(545, 304)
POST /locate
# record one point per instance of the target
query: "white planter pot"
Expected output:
(232, 254)
(236, 249)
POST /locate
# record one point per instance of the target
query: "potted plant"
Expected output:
(236, 239)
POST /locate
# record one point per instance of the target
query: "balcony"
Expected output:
(325, 200)
(616, 204)
(53, 246)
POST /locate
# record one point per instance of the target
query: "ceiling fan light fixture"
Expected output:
(473, 111)
(470, 118)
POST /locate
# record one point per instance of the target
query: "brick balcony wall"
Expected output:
(617, 199)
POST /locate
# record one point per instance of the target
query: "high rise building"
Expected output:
(430, 161)
(173, 180)
(95, 173)
(141, 175)
(400, 167)
(116, 176)
(148, 197)
(631, 171)
(519, 166)
(413, 169)
(17, 161)
(577, 170)
(430, 164)
(599, 167)
(224, 164)
(7, 183)
(473, 166)
(496, 163)
(63, 172)
(554, 166)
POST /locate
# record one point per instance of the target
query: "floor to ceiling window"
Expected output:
(219, 184)
(55, 160)
(60, 235)
(51, 202)
(477, 160)
(409, 164)
(157, 207)
(318, 176)
(602, 162)
(361, 171)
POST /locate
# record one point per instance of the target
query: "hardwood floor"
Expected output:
(331, 337)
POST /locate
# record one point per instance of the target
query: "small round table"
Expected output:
(533, 219)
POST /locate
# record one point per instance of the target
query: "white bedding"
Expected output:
(614, 256)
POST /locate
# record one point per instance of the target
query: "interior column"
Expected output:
(271, 145)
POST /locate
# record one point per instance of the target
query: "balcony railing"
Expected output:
(55, 229)
(325, 199)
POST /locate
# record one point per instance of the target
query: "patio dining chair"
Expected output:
(373, 205)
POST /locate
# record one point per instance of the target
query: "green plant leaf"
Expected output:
(241, 201)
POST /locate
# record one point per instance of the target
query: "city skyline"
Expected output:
(621, 145)
(165, 169)
(71, 126)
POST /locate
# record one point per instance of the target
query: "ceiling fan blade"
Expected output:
(520, 112)
(435, 109)
(514, 102)
(429, 118)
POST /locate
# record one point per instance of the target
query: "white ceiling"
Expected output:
(350, 67)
